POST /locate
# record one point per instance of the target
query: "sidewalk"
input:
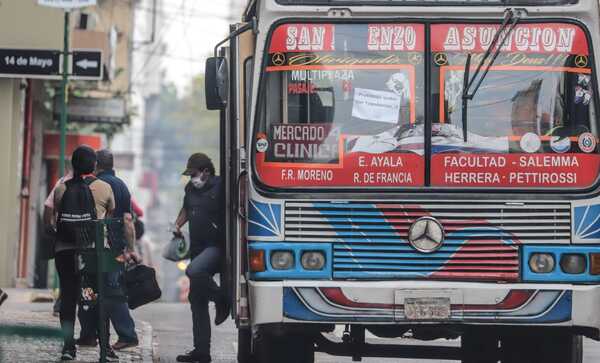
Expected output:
(29, 333)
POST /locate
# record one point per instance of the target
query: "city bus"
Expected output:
(411, 169)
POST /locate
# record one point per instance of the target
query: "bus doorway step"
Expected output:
(324, 345)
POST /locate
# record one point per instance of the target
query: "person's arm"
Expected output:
(49, 219)
(181, 220)
(129, 231)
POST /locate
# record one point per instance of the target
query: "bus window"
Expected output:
(339, 96)
(532, 121)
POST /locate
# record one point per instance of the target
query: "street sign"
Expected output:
(87, 64)
(67, 4)
(30, 63)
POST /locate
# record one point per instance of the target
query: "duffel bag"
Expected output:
(142, 287)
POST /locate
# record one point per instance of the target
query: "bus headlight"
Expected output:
(313, 260)
(282, 260)
(573, 263)
(541, 263)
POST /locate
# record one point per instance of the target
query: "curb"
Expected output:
(149, 345)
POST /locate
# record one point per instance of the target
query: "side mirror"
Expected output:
(216, 83)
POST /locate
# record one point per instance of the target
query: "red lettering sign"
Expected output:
(314, 155)
(303, 38)
(301, 88)
(354, 170)
(515, 170)
(395, 37)
(527, 38)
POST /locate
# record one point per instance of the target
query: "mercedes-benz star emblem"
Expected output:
(278, 59)
(426, 235)
(441, 59)
(581, 61)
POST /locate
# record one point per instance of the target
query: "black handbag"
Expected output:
(142, 287)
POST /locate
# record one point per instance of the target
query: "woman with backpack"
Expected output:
(78, 200)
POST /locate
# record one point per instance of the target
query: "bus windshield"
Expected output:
(428, 2)
(344, 106)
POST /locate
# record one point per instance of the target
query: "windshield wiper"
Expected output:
(511, 19)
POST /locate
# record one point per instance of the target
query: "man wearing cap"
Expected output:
(203, 207)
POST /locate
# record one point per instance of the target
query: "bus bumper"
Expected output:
(382, 302)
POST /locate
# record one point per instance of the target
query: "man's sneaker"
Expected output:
(87, 342)
(120, 345)
(194, 356)
(68, 354)
(222, 309)
(3, 296)
(111, 356)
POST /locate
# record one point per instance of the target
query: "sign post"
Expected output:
(63, 95)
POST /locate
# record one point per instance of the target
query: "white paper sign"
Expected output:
(376, 105)
(67, 4)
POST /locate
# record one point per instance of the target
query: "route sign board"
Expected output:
(67, 4)
(30, 63)
(87, 64)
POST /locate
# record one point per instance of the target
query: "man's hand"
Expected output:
(177, 231)
(129, 257)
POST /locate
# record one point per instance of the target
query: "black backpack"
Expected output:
(75, 213)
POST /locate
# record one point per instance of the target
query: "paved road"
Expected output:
(172, 325)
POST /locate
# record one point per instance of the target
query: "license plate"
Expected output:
(428, 308)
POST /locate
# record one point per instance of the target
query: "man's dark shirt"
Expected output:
(122, 199)
(205, 214)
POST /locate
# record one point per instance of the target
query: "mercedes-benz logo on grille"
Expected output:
(426, 234)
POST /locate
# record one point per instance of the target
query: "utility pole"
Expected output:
(63, 97)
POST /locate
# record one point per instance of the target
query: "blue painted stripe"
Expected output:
(561, 312)
(420, 256)
(380, 274)
(359, 226)
(384, 266)
(404, 247)
(294, 308)
(390, 261)
(349, 205)
(345, 213)
(357, 220)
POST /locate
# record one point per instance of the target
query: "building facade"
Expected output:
(28, 112)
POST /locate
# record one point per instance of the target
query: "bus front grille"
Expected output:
(482, 238)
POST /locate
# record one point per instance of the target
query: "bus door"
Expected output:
(241, 55)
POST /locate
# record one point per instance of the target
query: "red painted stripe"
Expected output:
(480, 268)
(477, 276)
(486, 262)
(466, 254)
(513, 300)
(336, 295)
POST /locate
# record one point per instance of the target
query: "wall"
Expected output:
(23, 24)
(11, 116)
(45, 32)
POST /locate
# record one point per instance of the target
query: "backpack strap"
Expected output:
(88, 181)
